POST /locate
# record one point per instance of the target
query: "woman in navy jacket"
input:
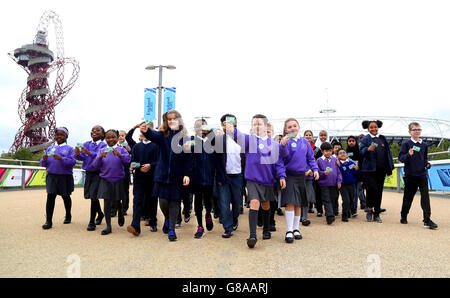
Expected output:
(376, 164)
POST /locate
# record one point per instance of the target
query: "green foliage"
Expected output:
(395, 150)
(23, 154)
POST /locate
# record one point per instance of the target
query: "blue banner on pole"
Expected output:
(169, 99)
(149, 103)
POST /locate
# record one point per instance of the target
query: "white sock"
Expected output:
(296, 222)
(289, 219)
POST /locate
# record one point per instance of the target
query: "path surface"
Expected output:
(342, 250)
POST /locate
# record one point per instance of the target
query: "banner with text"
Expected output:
(169, 99)
(13, 177)
(150, 103)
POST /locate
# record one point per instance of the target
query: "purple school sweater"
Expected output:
(334, 177)
(298, 157)
(263, 163)
(59, 167)
(88, 160)
(111, 167)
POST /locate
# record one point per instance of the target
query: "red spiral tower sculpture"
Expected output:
(37, 102)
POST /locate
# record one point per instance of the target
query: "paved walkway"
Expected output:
(353, 249)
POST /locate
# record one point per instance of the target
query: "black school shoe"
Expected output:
(121, 220)
(310, 210)
(153, 228)
(99, 219)
(306, 222)
(297, 235)
(280, 212)
(67, 220)
(47, 225)
(382, 210)
(272, 228)
(106, 231)
(403, 220)
(429, 224)
(251, 242)
(319, 214)
(227, 234)
(330, 219)
(344, 218)
(266, 235)
(91, 227)
(289, 238)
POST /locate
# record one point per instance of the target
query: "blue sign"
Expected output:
(149, 103)
(169, 99)
(439, 177)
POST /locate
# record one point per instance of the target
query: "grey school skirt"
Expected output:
(310, 193)
(91, 184)
(61, 185)
(260, 192)
(113, 191)
(295, 191)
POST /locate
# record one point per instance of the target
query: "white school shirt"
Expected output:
(233, 165)
(414, 141)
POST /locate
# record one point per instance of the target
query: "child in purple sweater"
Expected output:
(263, 167)
(87, 153)
(111, 161)
(330, 179)
(58, 161)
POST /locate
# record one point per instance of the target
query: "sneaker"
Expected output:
(306, 222)
(166, 227)
(377, 219)
(227, 234)
(280, 212)
(297, 235)
(403, 221)
(369, 215)
(200, 233)
(235, 224)
(178, 224)
(354, 214)
(153, 228)
(319, 214)
(289, 238)
(330, 219)
(172, 235)
(429, 224)
(251, 242)
(133, 230)
(187, 218)
(209, 223)
(266, 235)
(272, 228)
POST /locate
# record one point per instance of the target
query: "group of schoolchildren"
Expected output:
(218, 166)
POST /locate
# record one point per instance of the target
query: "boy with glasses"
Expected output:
(413, 154)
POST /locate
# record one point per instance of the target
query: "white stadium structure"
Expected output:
(434, 131)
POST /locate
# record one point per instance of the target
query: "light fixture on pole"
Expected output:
(160, 87)
(327, 111)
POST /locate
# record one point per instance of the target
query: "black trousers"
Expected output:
(203, 195)
(328, 193)
(144, 203)
(374, 182)
(187, 203)
(411, 185)
(347, 193)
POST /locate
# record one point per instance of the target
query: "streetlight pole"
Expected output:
(160, 87)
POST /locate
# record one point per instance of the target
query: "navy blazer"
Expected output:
(204, 161)
(221, 161)
(369, 158)
(172, 166)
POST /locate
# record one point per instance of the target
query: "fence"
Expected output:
(438, 176)
(30, 176)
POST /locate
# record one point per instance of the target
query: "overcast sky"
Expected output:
(242, 57)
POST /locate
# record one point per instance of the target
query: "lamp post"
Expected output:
(160, 87)
(327, 111)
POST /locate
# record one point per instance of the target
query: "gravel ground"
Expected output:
(353, 249)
